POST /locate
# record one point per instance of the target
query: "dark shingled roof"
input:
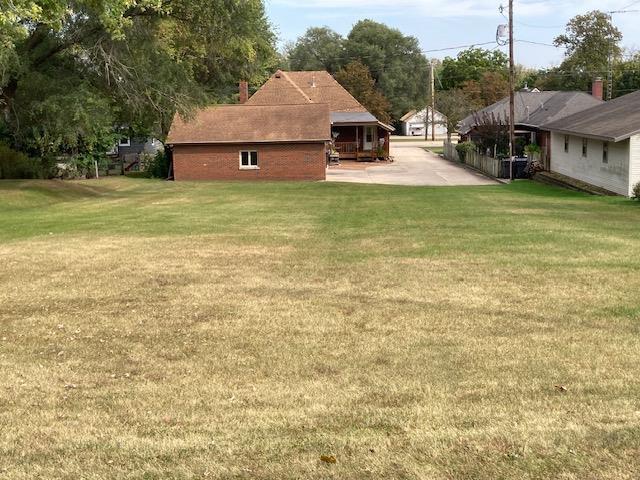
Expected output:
(348, 117)
(613, 121)
(253, 124)
(535, 109)
(355, 118)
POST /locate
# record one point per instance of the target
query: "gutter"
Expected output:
(240, 142)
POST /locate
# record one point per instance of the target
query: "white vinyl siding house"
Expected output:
(634, 165)
(614, 175)
(602, 145)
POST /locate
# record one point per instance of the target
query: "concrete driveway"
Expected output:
(412, 166)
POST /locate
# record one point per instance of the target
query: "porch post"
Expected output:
(386, 143)
(374, 145)
(357, 143)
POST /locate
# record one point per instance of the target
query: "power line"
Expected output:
(459, 47)
(630, 5)
(538, 43)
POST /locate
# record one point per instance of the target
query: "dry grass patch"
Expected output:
(406, 332)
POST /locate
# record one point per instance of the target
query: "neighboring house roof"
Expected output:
(535, 109)
(408, 115)
(413, 116)
(614, 120)
(253, 124)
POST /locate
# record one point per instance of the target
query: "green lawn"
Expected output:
(159, 330)
(436, 150)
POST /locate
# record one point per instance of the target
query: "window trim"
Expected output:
(368, 133)
(585, 147)
(248, 167)
(605, 152)
(124, 144)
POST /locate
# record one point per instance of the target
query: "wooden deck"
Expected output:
(350, 151)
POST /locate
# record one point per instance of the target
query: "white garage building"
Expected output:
(413, 123)
(600, 145)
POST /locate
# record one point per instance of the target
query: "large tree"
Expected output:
(357, 79)
(491, 87)
(590, 40)
(455, 104)
(320, 48)
(471, 65)
(395, 61)
(70, 71)
(627, 76)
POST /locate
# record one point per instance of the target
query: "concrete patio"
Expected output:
(412, 166)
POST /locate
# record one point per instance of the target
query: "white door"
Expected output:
(367, 141)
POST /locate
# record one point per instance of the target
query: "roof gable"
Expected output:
(253, 124)
(291, 88)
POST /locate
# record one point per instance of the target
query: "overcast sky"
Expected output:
(441, 24)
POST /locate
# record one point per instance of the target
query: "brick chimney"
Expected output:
(596, 88)
(244, 91)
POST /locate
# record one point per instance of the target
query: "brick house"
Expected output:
(251, 142)
(356, 133)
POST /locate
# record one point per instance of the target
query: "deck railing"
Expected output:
(346, 147)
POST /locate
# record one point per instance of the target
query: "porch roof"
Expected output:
(357, 118)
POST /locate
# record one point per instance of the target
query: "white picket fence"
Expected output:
(489, 165)
(450, 152)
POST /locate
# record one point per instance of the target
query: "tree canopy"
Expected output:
(472, 64)
(455, 104)
(394, 60)
(357, 79)
(589, 41)
(320, 48)
(72, 71)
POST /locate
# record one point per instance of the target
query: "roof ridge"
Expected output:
(347, 91)
(263, 105)
(296, 86)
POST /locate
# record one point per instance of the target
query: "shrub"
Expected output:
(636, 191)
(78, 166)
(531, 150)
(15, 164)
(463, 148)
(158, 167)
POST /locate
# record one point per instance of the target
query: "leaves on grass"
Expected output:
(328, 458)
(561, 388)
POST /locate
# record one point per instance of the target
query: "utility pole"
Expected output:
(610, 64)
(433, 104)
(512, 109)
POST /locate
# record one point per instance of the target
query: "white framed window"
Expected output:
(605, 152)
(124, 142)
(566, 144)
(585, 145)
(249, 160)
